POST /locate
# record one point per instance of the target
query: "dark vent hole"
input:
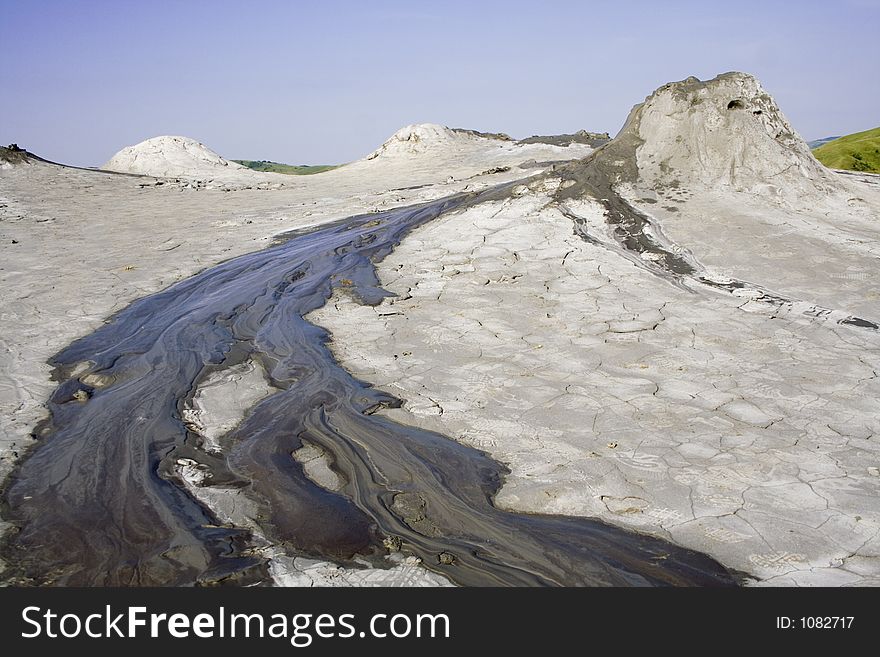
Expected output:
(735, 104)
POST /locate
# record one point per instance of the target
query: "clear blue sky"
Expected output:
(327, 81)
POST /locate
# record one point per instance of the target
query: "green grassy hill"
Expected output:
(290, 169)
(857, 152)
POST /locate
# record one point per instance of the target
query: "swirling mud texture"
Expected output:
(98, 500)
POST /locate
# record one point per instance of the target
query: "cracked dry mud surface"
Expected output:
(119, 490)
(78, 246)
(707, 418)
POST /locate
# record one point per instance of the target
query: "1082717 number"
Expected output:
(826, 622)
(815, 622)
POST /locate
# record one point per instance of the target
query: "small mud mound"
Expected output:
(421, 138)
(170, 156)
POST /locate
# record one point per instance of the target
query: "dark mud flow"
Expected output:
(636, 234)
(98, 500)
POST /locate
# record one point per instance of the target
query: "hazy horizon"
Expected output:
(303, 84)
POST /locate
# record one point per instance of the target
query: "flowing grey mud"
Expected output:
(98, 502)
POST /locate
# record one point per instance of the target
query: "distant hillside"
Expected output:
(290, 169)
(821, 142)
(857, 152)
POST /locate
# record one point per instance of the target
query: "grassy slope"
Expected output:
(857, 152)
(290, 169)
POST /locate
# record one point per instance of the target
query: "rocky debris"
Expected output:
(193, 472)
(393, 543)
(81, 395)
(500, 136)
(445, 559)
(533, 164)
(494, 170)
(594, 139)
(411, 508)
(212, 184)
(13, 154)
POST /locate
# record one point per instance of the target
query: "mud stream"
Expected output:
(636, 234)
(98, 500)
